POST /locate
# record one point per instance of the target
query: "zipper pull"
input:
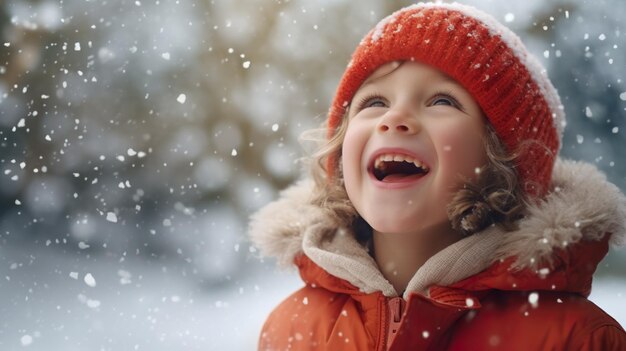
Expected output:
(395, 307)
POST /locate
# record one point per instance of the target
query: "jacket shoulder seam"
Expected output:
(585, 336)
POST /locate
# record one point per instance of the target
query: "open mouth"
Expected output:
(397, 168)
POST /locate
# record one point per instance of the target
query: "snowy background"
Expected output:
(136, 137)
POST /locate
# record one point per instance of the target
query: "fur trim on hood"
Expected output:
(582, 205)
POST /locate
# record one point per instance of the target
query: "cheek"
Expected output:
(351, 162)
(462, 149)
(352, 151)
(347, 161)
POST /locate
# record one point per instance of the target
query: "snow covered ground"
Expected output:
(63, 302)
(49, 304)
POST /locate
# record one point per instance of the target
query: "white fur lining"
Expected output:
(583, 205)
(342, 256)
(458, 261)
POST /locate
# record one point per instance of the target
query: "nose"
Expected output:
(399, 121)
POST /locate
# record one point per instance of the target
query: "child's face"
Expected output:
(418, 114)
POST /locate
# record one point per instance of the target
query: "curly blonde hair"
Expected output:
(494, 197)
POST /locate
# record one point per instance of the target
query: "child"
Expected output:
(439, 217)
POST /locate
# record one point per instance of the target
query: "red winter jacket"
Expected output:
(521, 290)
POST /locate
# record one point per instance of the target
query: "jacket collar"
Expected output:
(557, 246)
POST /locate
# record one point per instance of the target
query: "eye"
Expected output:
(445, 99)
(371, 101)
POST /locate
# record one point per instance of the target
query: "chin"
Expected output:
(396, 225)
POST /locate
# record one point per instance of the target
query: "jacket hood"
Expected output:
(557, 246)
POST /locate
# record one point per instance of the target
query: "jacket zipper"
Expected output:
(395, 308)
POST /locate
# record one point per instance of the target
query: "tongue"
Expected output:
(401, 177)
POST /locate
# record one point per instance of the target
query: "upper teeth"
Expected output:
(398, 158)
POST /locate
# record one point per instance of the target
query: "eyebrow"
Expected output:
(371, 80)
(449, 79)
(444, 76)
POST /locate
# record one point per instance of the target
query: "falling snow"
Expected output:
(111, 217)
(138, 136)
(90, 280)
(533, 299)
(26, 340)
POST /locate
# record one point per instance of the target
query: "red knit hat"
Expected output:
(488, 60)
